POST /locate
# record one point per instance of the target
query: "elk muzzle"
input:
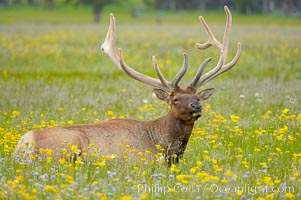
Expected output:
(196, 109)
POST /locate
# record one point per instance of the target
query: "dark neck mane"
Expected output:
(170, 133)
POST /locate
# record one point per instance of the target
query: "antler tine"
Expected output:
(181, 73)
(229, 65)
(109, 45)
(164, 82)
(199, 73)
(211, 73)
(221, 67)
(211, 41)
(227, 31)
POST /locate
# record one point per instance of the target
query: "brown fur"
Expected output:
(171, 131)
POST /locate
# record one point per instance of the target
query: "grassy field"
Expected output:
(246, 145)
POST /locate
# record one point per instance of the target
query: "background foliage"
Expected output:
(138, 7)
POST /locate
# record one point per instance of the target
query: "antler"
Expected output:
(109, 47)
(221, 67)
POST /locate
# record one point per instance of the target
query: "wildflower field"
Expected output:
(247, 144)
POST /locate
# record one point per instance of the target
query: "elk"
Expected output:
(171, 132)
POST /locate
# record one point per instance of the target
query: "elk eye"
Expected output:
(176, 100)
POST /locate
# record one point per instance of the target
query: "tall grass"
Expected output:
(246, 145)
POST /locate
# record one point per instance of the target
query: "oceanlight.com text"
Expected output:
(215, 188)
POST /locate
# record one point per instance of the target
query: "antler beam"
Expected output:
(109, 47)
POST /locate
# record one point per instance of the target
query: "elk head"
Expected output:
(185, 103)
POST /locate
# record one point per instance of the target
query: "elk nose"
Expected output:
(196, 106)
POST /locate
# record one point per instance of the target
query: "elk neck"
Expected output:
(170, 133)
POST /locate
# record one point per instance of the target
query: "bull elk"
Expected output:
(171, 131)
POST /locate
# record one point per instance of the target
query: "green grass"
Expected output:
(249, 135)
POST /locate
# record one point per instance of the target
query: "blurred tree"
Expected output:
(203, 5)
(184, 4)
(137, 7)
(97, 6)
(42, 3)
(150, 3)
(268, 5)
(49, 3)
(4, 3)
(248, 6)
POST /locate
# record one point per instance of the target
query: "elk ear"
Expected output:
(205, 94)
(162, 95)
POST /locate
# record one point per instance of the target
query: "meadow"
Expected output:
(245, 146)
